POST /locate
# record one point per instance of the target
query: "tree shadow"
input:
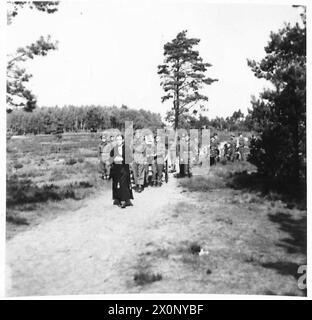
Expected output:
(295, 228)
(294, 195)
(284, 268)
(295, 243)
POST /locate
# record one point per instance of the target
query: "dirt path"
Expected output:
(250, 246)
(90, 250)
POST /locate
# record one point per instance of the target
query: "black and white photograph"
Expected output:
(155, 147)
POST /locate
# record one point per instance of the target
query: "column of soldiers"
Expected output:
(233, 149)
(151, 155)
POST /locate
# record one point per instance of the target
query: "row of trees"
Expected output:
(83, 118)
(236, 122)
(94, 118)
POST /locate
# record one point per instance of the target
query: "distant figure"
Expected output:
(184, 156)
(172, 149)
(241, 147)
(216, 146)
(159, 161)
(120, 172)
(103, 155)
(232, 148)
(139, 159)
(214, 151)
(150, 149)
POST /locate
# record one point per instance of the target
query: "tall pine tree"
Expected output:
(183, 76)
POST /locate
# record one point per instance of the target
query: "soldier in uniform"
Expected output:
(172, 153)
(184, 156)
(241, 147)
(159, 161)
(104, 149)
(232, 148)
(216, 147)
(139, 160)
(150, 154)
(213, 151)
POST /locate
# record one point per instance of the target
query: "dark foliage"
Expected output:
(23, 191)
(280, 113)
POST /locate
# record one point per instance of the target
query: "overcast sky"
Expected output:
(109, 51)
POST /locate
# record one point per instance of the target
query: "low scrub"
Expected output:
(141, 278)
(22, 191)
(202, 183)
(71, 161)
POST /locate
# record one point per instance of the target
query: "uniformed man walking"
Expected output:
(104, 149)
(139, 159)
(241, 147)
(159, 161)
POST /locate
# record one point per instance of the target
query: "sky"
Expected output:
(108, 51)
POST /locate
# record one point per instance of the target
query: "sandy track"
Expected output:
(99, 248)
(89, 250)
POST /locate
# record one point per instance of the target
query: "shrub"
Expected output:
(18, 165)
(85, 184)
(71, 161)
(142, 278)
(21, 191)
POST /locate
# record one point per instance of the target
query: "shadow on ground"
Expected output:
(293, 195)
(296, 242)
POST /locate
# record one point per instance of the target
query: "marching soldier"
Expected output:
(150, 154)
(159, 161)
(214, 151)
(241, 147)
(232, 148)
(103, 156)
(139, 159)
(227, 147)
(216, 147)
(184, 156)
(172, 153)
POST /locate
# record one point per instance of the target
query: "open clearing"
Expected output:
(189, 236)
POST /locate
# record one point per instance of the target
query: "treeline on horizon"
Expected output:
(47, 120)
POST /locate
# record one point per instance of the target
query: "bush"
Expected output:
(85, 184)
(71, 161)
(142, 278)
(18, 165)
(22, 191)
(202, 183)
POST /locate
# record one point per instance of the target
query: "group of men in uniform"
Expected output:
(231, 150)
(151, 155)
(148, 161)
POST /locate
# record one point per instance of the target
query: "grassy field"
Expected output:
(225, 231)
(248, 231)
(46, 175)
